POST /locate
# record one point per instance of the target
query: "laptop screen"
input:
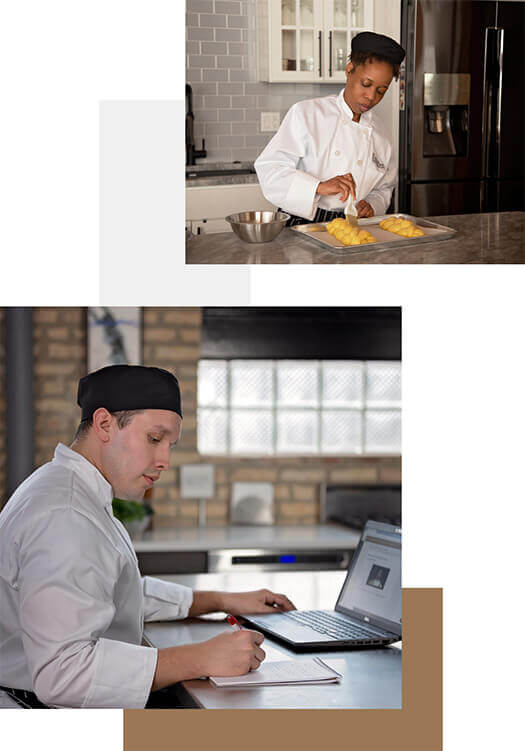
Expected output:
(373, 586)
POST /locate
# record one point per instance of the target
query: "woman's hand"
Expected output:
(364, 209)
(343, 184)
(261, 601)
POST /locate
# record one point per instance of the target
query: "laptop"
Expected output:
(368, 609)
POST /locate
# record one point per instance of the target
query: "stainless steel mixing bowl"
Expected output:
(257, 226)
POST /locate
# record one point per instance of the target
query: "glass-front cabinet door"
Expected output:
(343, 19)
(296, 39)
(309, 40)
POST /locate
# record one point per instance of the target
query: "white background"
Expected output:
(463, 353)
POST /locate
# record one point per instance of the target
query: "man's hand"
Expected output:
(261, 601)
(232, 653)
(229, 653)
(343, 184)
(364, 209)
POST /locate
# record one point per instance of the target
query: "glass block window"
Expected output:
(298, 407)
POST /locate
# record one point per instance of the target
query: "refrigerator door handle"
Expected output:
(485, 119)
(499, 48)
(492, 94)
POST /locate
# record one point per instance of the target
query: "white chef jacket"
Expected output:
(319, 140)
(73, 603)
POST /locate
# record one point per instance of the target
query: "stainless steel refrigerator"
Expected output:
(462, 124)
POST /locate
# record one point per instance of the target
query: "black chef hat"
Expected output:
(378, 44)
(123, 387)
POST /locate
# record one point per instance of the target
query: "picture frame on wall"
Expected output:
(114, 336)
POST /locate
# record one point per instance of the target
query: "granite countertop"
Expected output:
(480, 238)
(317, 536)
(195, 178)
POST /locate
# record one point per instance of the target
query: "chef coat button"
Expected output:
(359, 162)
(337, 153)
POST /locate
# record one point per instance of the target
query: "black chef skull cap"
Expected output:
(378, 44)
(128, 387)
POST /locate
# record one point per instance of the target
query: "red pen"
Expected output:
(234, 623)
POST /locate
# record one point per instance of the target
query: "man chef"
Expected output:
(333, 149)
(73, 601)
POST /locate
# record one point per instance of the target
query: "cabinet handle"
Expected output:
(330, 49)
(320, 54)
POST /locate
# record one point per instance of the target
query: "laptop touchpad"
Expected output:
(287, 628)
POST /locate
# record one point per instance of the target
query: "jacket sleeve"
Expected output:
(379, 198)
(67, 574)
(282, 183)
(165, 600)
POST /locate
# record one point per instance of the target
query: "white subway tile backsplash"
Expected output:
(214, 21)
(241, 75)
(214, 48)
(209, 116)
(230, 88)
(210, 88)
(193, 75)
(237, 22)
(193, 48)
(219, 129)
(227, 7)
(202, 61)
(212, 74)
(241, 129)
(229, 61)
(238, 48)
(228, 99)
(228, 35)
(230, 141)
(230, 116)
(212, 101)
(200, 34)
(243, 101)
(200, 6)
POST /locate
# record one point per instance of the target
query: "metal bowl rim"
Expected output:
(279, 216)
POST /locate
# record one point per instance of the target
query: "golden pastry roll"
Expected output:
(402, 227)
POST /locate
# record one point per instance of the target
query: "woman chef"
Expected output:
(331, 149)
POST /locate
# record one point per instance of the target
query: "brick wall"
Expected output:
(171, 339)
(228, 99)
(59, 342)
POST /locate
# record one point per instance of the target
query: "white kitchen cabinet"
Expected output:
(207, 205)
(308, 41)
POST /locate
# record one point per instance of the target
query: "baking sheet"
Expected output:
(385, 239)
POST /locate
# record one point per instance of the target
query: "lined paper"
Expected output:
(312, 671)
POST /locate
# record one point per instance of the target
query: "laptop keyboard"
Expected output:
(325, 623)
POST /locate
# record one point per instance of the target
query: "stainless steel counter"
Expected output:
(245, 548)
(371, 678)
(311, 537)
(480, 238)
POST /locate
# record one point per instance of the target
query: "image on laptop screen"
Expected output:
(374, 586)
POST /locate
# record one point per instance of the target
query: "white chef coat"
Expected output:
(319, 140)
(73, 603)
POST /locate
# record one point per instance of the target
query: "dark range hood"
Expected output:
(354, 505)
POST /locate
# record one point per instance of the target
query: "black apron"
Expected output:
(321, 215)
(25, 699)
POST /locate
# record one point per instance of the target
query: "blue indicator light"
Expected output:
(287, 558)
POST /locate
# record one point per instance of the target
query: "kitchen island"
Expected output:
(480, 238)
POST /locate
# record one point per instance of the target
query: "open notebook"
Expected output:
(282, 673)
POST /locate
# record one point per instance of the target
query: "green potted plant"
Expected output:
(134, 516)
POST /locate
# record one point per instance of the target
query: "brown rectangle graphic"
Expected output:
(415, 727)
